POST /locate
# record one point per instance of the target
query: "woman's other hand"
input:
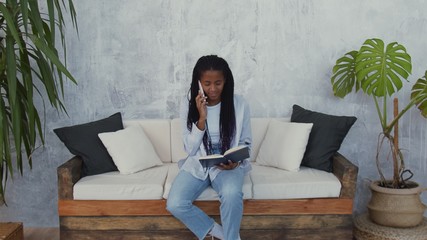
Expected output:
(230, 166)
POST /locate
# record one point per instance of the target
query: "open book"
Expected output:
(235, 154)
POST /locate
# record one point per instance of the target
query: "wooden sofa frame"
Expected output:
(319, 218)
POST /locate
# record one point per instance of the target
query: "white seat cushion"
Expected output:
(274, 183)
(209, 193)
(146, 184)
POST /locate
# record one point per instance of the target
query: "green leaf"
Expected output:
(344, 75)
(73, 15)
(51, 10)
(36, 19)
(3, 138)
(369, 83)
(26, 125)
(52, 56)
(380, 70)
(47, 78)
(24, 10)
(16, 130)
(27, 96)
(419, 94)
(10, 24)
(11, 69)
(3, 127)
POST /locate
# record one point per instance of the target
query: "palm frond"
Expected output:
(28, 58)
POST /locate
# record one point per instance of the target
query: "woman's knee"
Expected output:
(231, 194)
(177, 206)
(171, 205)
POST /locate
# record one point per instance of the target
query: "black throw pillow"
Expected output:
(82, 140)
(326, 136)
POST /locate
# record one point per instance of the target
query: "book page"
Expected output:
(235, 149)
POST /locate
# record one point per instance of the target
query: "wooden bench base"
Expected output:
(167, 227)
(270, 219)
(320, 218)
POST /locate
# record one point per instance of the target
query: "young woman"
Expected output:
(214, 120)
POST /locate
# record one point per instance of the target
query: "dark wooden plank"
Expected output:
(346, 172)
(299, 234)
(68, 174)
(132, 223)
(318, 234)
(296, 222)
(126, 235)
(163, 223)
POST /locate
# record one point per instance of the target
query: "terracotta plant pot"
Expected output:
(396, 207)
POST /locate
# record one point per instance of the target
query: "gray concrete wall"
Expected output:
(136, 57)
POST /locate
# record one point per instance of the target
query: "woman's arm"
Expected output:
(246, 135)
(192, 139)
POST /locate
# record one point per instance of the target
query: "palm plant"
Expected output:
(379, 71)
(29, 63)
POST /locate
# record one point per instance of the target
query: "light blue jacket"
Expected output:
(193, 140)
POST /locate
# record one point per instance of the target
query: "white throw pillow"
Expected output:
(130, 149)
(284, 145)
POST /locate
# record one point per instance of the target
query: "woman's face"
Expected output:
(213, 83)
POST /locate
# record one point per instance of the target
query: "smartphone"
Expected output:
(201, 89)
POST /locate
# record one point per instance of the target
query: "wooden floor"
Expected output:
(41, 233)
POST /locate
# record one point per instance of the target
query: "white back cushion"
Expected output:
(158, 132)
(130, 149)
(284, 145)
(177, 144)
(259, 128)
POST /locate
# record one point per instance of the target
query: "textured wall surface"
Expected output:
(136, 57)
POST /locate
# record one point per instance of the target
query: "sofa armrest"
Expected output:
(346, 172)
(68, 174)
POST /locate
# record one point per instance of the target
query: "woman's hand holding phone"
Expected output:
(201, 104)
(201, 89)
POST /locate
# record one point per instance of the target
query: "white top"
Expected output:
(213, 122)
(193, 140)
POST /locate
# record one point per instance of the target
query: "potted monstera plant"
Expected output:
(29, 66)
(380, 72)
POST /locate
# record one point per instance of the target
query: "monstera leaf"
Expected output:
(380, 71)
(419, 94)
(344, 75)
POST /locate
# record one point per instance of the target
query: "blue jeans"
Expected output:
(186, 188)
